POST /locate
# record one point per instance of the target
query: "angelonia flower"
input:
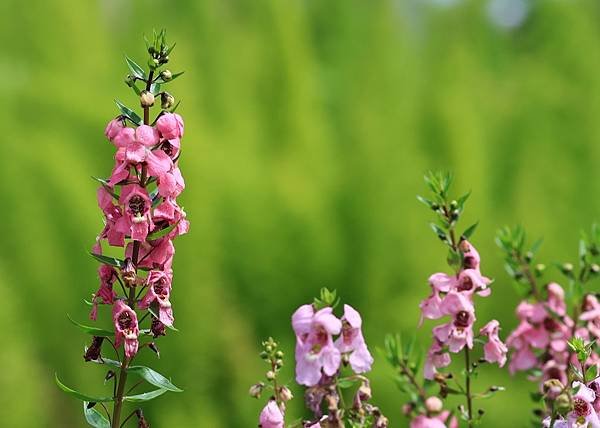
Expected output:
(452, 297)
(271, 416)
(138, 199)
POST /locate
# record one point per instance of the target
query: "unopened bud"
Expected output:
(146, 99)
(407, 409)
(540, 267)
(434, 405)
(109, 375)
(567, 267)
(553, 388)
(166, 100)
(594, 268)
(154, 348)
(270, 375)
(157, 328)
(528, 256)
(364, 391)
(256, 390)
(279, 354)
(153, 63)
(166, 75)
(453, 204)
(269, 348)
(142, 422)
(128, 272)
(285, 394)
(563, 402)
(129, 80)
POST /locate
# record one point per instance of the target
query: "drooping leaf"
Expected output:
(146, 396)
(94, 331)
(469, 231)
(135, 69)
(153, 378)
(80, 395)
(128, 113)
(94, 417)
(113, 261)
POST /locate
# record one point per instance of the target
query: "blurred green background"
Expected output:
(309, 125)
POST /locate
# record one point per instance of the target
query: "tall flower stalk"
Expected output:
(453, 297)
(142, 217)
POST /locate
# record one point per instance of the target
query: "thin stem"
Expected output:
(106, 411)
(128, 417)
(468, 386)
(405, 370)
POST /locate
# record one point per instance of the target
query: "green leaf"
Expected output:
(146, 396)
(176, 105)
(162, 232)
(155, 88)
(112, 261)
(94, 417)
(469, 231)
(173, 77)
(94, 331)
(345, 383)
(128, 113)
(135, 69)
(153, 377)
(80, 395)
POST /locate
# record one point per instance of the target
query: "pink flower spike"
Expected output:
(124, 138)
(136, 221)
(126, 327)
(113, 128)
(352, 341)
(495, 350)
(271, 416)
(146, 135)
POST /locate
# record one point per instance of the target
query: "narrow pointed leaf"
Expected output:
(128, 113)
(135, 69)
(113, 261)
(146, 396)
(80, 395)
(153, 377)
(94, 417)
(162, 232)
(94, 331)
(467, 233)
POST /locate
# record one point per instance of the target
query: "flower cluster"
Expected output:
(331, 356)
(142, 217)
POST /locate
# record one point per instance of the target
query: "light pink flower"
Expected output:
(436, 358)
(112, 213)
(471, 259)
(156, 254)
(352, 341)
(170, 126)
(159, 291)
(126, 327)
(554, 370)
(443, 420)
(556, 299)
(583, 411)
(114, 127)
(315, 350)
(171, 213)
(171, 183)
(494, 350)
(591, 314)
(137, 221)
(271, 416)
(459, 331)
(522, 359)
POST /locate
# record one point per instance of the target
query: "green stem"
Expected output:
(468, 386)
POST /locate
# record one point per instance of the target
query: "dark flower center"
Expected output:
(581, 407)
(462, 319)
(167, 148)
(137, 205)
(550, 324)
(124, 320)
(469, 262)
(465, 284)
(554, 373)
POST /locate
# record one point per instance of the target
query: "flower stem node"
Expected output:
(146, 99)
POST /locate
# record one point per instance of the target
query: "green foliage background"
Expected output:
(309, 125)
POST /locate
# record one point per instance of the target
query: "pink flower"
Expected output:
(112, 214)
(591, 314)
(556, 299)
(156, 254)
(105, 293)
(126, 327)
(352, 341)
(443, 420)
(159, 290)
(171, 184)
(170, 126)
(436, 358)
(494, 350)
(583, 413)
(315, 350)
(114, 127)
(459, 331)
(171, 213)
(471, 259)
(554, 370)
(522, 359)
(137, 221)
(271, 416)
(430, 307)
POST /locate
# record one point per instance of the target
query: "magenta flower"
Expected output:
(159, 290)
(170, 126)
(171, 213)
(494, 350)
(459, 331)
(171, 183)
(126, 327)
(315, 350)
(137, 220)
(112, 214)
(436, 358)
(105, 293)
(271, 416)
(352, 341)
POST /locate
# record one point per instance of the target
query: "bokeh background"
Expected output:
(309, 125)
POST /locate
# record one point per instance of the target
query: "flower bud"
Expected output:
(109, 375)
(434, 405)
(256, 390)
(146, 99)
(154, 348)
(407, 409)
(553, 388)
(130, 80)
(285, 394)
(166, 100)
(270, 375)
(279, 354)
(153, 63)
(93, 352)
(594, 268)
(567, 268)
(166, 75)
(142, 422)
(364, 391)
(128, 272)
(563, 402)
